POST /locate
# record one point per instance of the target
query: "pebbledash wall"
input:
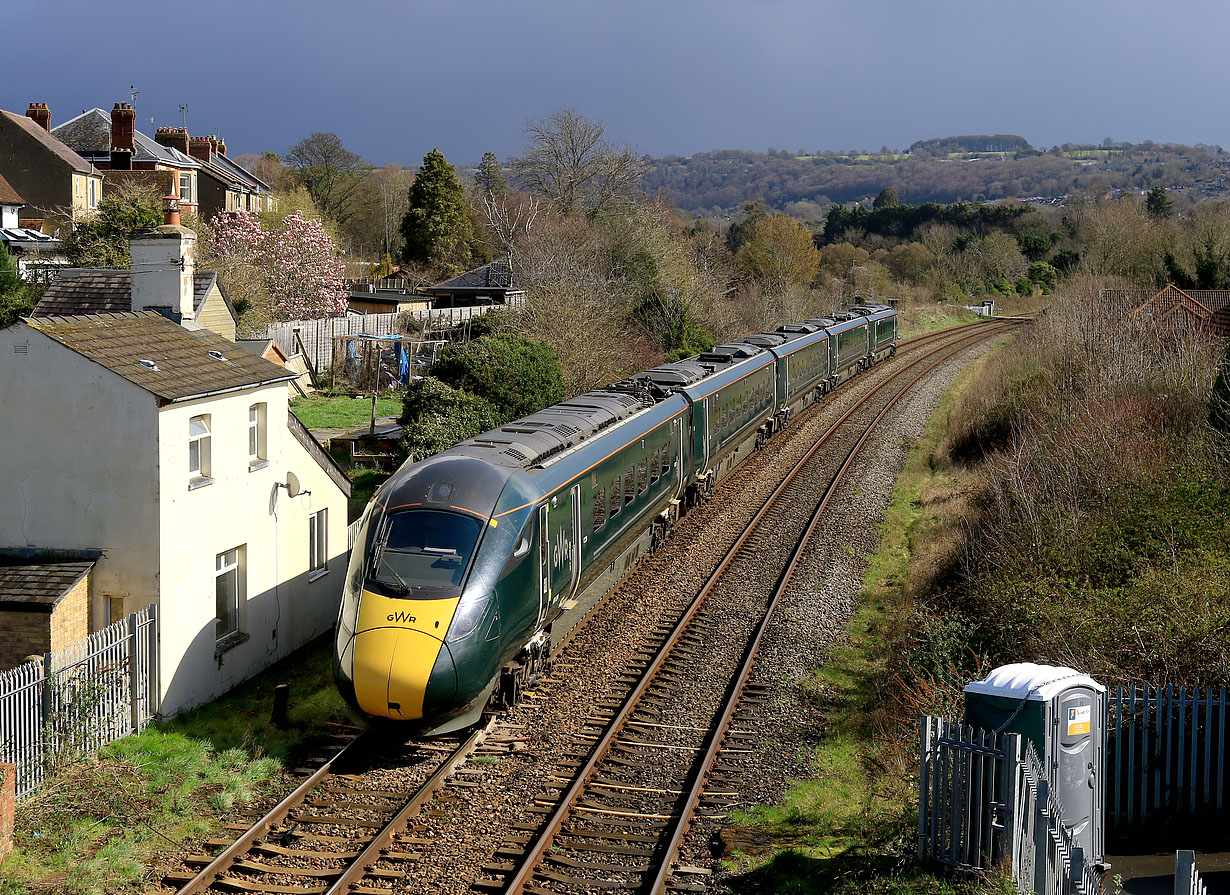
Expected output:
(89, 460)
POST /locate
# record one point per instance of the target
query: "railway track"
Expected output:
(645, 765)
(343, 829)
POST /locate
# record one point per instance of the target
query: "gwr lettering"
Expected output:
(401, 617)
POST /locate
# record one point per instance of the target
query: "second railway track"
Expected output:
(645, 766)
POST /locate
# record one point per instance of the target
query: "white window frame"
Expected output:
(186, 195)
(91, 186)
(318, 543)
(229, 571)
(199, 450)
(258, 429)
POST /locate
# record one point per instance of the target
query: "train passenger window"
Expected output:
(599, 508)
(629, 484)
(617, 488)
(642, 481)
(653, 467)
(666, 461)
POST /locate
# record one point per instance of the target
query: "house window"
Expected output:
(198, 447)
(92, 186)
(228, 586)
(113, 609)
(256, 436)
(318, 542)
(185, 187)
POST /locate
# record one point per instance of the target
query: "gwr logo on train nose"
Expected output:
(401, 617)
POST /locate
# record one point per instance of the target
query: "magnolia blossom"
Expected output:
(297, 261)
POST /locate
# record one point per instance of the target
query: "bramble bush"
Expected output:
(1099, 529)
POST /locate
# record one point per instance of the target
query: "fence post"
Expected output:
(45, 704)
(924, 778)
(1076, 870)
(1184, 867)
(1041, 836)
(154, 674)
(1010, 783)
(134, 676)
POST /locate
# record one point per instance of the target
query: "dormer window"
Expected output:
(199, 440)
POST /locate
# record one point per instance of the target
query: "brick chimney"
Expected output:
(40, 115)
(123, 136)
(163, 266)
(220, 148)
(174, 137)
(201, 147)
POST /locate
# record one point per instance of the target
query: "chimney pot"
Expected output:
(40, 115)
(170, 210)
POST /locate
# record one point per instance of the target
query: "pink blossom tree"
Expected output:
(296, 264)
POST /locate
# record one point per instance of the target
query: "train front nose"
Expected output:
(400, 671)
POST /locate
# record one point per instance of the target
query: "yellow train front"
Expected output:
(421, 636)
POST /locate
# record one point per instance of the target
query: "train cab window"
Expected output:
(599, 508)
(425, 552)
(629, 484)
(653, 467)
(617, 488)
(642, 481)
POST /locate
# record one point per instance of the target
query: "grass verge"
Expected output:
(850, 826)
(342, 411)
(98, 825)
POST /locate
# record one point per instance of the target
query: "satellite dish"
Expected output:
(292, 485)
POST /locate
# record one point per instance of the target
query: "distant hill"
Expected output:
(974, 143)
(718, 184)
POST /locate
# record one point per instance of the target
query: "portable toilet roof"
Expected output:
(1030, 681)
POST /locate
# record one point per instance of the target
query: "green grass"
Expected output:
(94, 825)
(918, 320)
(849, 826)
(363, 484)
(342, 411)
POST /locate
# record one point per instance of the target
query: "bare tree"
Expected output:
(510, 218)
(569, 162)
(331, 172)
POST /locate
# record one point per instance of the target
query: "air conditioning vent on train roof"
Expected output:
(798, 329)
(680, 373)
(729, 353)
(820, 321)
(766, 340)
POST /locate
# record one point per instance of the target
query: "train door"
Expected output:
(544, 562)
(575, 557)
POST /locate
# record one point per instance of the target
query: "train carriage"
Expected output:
(469, 563)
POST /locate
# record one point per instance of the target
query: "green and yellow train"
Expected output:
(470, 564)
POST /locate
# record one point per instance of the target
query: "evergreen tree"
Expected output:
(886, 199)
(1158, 204)
(15, 298)
(437, 227)
(490, 176)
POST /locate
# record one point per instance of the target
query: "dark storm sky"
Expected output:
(395, 79)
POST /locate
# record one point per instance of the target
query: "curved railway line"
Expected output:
(656, 760)
(648, 760)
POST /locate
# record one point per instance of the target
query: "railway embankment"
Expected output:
(1069, 504)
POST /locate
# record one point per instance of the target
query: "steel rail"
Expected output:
(722, 726)
(534, 855)
(359, 867)
(224, 861)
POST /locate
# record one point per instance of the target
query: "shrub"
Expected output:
(437, 416)
(515, 376)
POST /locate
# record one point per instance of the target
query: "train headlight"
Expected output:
(469, 613)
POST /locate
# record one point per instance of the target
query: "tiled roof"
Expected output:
(38, 587)
(161, 357)
(89, 291)
(496, 275)
(1213, 299)
(52, 143)
(90, 132)
(8, 195)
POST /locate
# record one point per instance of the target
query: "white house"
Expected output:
(173, 451)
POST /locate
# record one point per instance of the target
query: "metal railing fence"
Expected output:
(983, 798)
(79, 698)
(1166, 753)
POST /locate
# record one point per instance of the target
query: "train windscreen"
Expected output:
(425, 552)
